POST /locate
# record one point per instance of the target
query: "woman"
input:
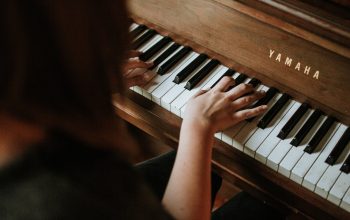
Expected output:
(62, 148)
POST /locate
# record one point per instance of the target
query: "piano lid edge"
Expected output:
(337, 42)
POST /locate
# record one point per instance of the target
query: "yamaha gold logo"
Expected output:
(296, 65)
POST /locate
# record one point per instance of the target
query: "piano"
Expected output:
(297, 155)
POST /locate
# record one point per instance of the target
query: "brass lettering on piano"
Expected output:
(289, 62)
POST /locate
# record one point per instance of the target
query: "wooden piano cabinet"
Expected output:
(295, 47)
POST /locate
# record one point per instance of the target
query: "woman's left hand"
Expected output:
(135, 71)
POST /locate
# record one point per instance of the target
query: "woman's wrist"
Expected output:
(200, 127)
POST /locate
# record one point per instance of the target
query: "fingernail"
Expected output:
(149, 63)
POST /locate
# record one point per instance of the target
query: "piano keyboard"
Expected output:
(295, 140)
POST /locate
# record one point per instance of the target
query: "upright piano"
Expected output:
(297, 155)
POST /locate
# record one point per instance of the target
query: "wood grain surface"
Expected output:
(244, 42)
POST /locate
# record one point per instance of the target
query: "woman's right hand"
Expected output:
(218, 109)
(206, 113)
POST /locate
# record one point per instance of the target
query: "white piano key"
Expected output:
(261, 134)
(330, 176)
(283, 147)
(162, 81)
(339, 189)
(272, 140)
(163, 88)
(183, 96)
(150, 43)
(143, 48)
(345, 203)
(307, 160)
(138, 36)
(175, 91)
(162, 50)
(157, 79)
(318, 168)
(137, 89)
(228, 134)
(170, 56)
(222, 70)
(295, 153)
(133, 26)
(218, 135)
(249, 129)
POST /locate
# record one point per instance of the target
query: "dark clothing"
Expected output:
(66, 179)
(156, 172)
(245, 207)
(242, 207)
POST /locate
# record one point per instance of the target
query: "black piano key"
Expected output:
(201, 74)
(268, 117)
(229, 72)
(165, 55)
(240, 79)
(346, 165)
(154, 49)
(142, 39)
(298, 138)
(293, 121)
(254, 82)
(271, 92)
(189, 68)
(311, 146)
(173, 60)
(137, 31)
(338, 149)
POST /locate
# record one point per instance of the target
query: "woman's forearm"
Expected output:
(187, 195)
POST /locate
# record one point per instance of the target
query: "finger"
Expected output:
(135, 72)
(136, 63)
(247, 100)
(249, 113)
(140, 80)
(134, 53)
(224, 84)
(239, 91)
(200, 92)
(135, 81)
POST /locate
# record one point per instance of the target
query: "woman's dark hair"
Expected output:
(60, 62)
